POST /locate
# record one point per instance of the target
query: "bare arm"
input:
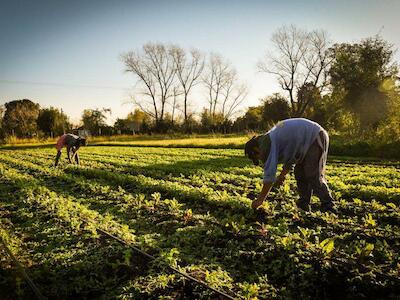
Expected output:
(76, 157)
(282, 175)
(75, 150)
(57, 158)
(263, 194)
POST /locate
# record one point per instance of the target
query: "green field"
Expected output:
(179, 140)
(190, 208)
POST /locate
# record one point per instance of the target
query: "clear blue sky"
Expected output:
(76, 44)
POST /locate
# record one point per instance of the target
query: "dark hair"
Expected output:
(250, 149)
(82, 141)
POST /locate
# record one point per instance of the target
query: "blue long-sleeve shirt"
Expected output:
(290, 141)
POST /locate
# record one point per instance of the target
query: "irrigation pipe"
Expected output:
(151, 257)
(30, 282)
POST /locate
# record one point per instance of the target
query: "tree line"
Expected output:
(166, 77)
(26, 119)
(350, 88)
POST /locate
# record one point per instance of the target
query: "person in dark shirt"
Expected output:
(298, 143)
(73, 143)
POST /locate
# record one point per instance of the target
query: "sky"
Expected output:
(66, 54)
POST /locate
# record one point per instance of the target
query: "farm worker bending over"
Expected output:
(298, 142)
(73, 143)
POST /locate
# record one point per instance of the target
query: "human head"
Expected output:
(252, 150)
(82, 141)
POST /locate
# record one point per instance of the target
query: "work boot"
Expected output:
(302, 205)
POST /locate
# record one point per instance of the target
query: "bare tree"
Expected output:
(175, 103)
(300, 59)
(188, 71)
(224, 90)
(232, 95)
(155, 70)
(217, 72)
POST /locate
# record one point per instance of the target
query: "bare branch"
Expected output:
(222, 83)
(188, 71)
(155, 71)
(299, 58)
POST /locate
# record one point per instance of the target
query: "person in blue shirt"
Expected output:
(298, 143)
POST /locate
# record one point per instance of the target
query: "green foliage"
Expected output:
(260, 118)
(252, 120)
(389, 131)
(250, 290)
(20, 118)
(135, 122)
(95, 119)
(169, 258)
(369, 221)
(214, 122)
(275, 108)
(218, 278)
(363, 250)
(361, 71)
(327, 246)
(53, 122)
(310, 95)
(191, 210)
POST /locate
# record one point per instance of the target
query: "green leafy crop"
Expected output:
(190, 208)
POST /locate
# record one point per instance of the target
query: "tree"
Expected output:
(192, 124)
(20, 118)
(188, 71)
(53, 121)
(95, 119)
(275, 108)
(252, 119)
(121, 126)
(225, 92)
(364, 74)
(300, 58)
(212, 122)
(175, 106)
(2, 133)
(155, 70)
(137, 120)
(389, 131)
(133, 122)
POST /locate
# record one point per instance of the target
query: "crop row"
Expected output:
(202, 196)
(192, 217)
(58, 208)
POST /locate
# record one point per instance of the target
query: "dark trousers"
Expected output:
(310, 177)
(71, 150)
